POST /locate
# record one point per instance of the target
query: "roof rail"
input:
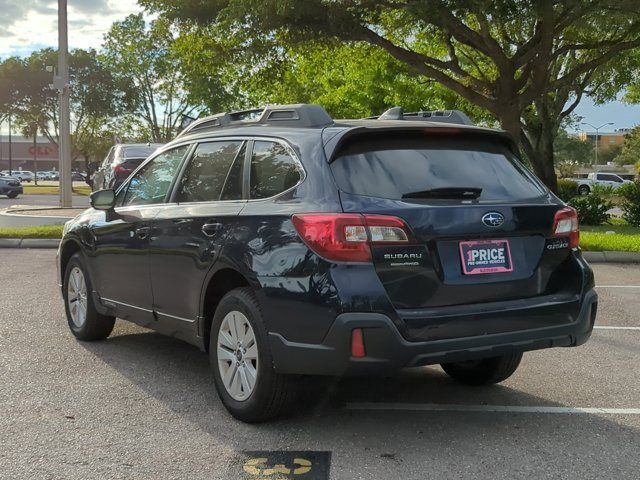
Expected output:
(298, 115)
(446, 116)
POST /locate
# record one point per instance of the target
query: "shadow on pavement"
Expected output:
(177, 374)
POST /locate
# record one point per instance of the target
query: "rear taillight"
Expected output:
(347, 237)
(565, 224)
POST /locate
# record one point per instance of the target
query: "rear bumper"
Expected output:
(387, 350)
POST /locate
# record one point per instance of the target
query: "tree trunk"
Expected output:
(542, 161)
(537, 145)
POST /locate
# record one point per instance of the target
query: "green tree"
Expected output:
(142, 55)
(96, 96)
(527, 63)
(571, 148)
(349, 80)
(570, 152)
(610, 153)
(630, 153)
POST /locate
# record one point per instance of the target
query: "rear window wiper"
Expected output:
(446, 193)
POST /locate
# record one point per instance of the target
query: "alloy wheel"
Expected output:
(237, 355)
(77, 297)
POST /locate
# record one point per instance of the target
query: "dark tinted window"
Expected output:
(151, 183)
(609, 178)
(207, 172)
(273, 170)
(390, 167)
(233, 186)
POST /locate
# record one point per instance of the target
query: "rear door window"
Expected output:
(393, 166)
(273, 170)
(213, 165)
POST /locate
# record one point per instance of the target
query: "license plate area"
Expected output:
(485, 256)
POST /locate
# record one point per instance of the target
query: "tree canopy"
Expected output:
(96, 96)
(142, 56)
(528, 63)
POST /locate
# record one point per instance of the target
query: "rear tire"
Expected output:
(84, 320)
(270, 392)
(584, 190)
(486, 371)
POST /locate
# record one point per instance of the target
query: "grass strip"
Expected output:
(54, 190)
(44, 231)
(595, 239)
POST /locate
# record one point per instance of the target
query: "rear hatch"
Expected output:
(482, 223)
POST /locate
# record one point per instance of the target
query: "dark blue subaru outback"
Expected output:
(285, 243)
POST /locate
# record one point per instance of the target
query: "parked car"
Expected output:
(10, 186)
(585, 185)
(293, 245)
(54, 175)
(121, 160)
(43, 175)
(78, 177)
(22, 175)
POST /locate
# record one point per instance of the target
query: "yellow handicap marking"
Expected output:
(259, 466)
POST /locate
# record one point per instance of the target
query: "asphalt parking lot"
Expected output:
(142, 406)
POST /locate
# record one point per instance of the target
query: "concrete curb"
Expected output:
(611, 257)
(29, 242)
(14, 219)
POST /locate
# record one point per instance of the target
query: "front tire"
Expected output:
(246, 382)
(84, 320)
(12, 194)
(486, 371)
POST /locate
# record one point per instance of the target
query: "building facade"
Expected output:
(25, 156)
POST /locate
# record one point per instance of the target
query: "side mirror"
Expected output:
(103, 199)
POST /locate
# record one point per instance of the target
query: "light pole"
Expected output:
(61, 84)
(595, 167)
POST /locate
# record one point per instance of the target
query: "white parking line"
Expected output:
(617, 286)
(434, 407)
(607, 327)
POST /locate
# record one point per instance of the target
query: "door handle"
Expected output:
(143, 232)
(210, 229)
(182, 221)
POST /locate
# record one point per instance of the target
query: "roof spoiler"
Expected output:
(444, 116)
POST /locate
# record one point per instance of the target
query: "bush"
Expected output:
(603, 190)
(567, 189)
(592, 209)
(630, 192)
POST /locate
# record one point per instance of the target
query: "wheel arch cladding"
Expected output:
(222, 282)
(69, 248)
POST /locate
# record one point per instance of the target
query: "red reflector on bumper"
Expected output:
(357, 343)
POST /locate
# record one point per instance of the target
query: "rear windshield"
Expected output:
(138, 151)
(390, 167)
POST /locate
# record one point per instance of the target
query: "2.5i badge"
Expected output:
(485, 256)
(557, 243)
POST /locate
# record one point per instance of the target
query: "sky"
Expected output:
(28, 25)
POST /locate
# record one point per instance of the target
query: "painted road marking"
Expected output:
(434, 407)
(617, 286)
(607, 327)
(283, 465)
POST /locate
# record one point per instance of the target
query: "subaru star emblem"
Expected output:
(493, 219)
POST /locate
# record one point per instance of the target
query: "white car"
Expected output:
(22, 175)
(585, 185)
